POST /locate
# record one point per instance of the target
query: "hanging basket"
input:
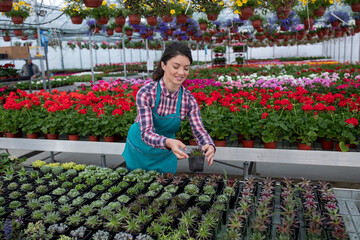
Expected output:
(76, 19)
(102, 20)
(120, 20)
(6, 38)
(181, 19)
(110, 32)
(184, 28)
(246, 13)
(134, 19)
(24, 37)
(6, 5)
(283, 12)
(118, 29)
(212, 16)
(17, 19)
(357, 22)
(256, 23)
(17, 32)
(151, 20)
(169, 32)
(355, 7)
(203, 26)
(93, 3)
(167, 18)
(129, 33)
(308, 23)
(96, 30)
(335, 23)
(319, 12)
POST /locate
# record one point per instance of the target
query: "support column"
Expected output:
(91, 60)
(345, 48)
(124, 56)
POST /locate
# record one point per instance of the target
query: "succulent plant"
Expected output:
(114, 189)
(15, 195)
(65, 209)
(121, 170)
(2, 201)
(14, 204)
(114, 205)
(98, 203)
(106, 196)
(45, 198)
(107, 182)
(37, 231)
(93, 221)
(123, 236)
(73, 193)
(74, 219)
(71, 172)
(113, 223)
(41, 189)
(48, 207)
(19, 212)
(91, 181)
(63, 177)
(39, 181)
(37, 215)
(45, 169)
(12, 186)
(80, 187)
(48, 176)
(34, 204)
(78, 233)
(191, 189)
(57, 170)
(26, 187)
(78, 201)
(101, 235)
(59, 191)
(142, 236)
(123, 198)
(89, 195)
(78, 179)
(171, 188)
(63, 199)
(67, 184)
(34, 174)
(52, 217)
(58, 228)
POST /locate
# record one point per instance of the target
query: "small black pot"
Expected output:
(196, 164)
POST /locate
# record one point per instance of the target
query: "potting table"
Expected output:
(238, 154)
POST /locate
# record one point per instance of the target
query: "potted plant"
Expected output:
(355, 5)
(6, 36)
(203, 23)
(245, 11)
(196, 160)
(211, 8)
(20, 11)
(103, 13)
(257, 20)
(76, 11)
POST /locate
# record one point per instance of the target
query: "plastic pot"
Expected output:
(196, 164)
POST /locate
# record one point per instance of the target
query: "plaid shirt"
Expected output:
(145, 101)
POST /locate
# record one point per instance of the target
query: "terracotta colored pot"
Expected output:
(93, 3)
(120, 20)
(357, 22)
(94, 138)
(335, 23)
(13, 135)
(303, 146)
(52, 136)
(283, 11)
(118, 29)
(319, 12)
(270, 145)
(327, 144)
(1, 134)
(6, 38)
(134, 19)
(220, 143)
(337, 146)
(256, 23)
(110, 32)
(17, 19)
(76, 19)
(192, 142)
(73, 137)
(181, 19)
(129, 33)
(6, 5)
(167, 18)
(169, 32)
(355, 7)
(248, 143)
(33, 135)
(17, 32)
(184, 28)
(35, 36)
(203, 26)
(308, 23)
(96, 30)
(110, 139)
(151, 20)
(212, 17)
(24, 37)
(246, 13)
(103, 20)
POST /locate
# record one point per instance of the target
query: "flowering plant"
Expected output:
(72, 44)
(8, 70)
(273, 126)
(8, 161)
(177, 8)
(75, 8)
(105, 10)
(211, 6)
(340, 14)
(237, 5)
(19, 9)
(104, 45)
(346, 130)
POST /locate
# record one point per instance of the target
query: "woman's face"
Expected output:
(176, 70)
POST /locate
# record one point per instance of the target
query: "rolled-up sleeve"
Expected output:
(145, 119)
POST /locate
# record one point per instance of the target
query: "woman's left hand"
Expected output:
(209, 153)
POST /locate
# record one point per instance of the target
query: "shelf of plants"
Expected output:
(90, 201)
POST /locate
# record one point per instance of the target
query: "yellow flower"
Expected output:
(172, 11)
(16, 8)
(221, 3)
(244, 1)
(104, 3)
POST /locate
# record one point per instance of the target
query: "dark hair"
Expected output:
(173, 50)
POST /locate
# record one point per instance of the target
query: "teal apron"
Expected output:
(138, 154)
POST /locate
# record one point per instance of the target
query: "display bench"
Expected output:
(236, 154)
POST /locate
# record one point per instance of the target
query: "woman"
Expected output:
(161, 105)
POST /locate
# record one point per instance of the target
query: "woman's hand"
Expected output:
(209, 153)
(175, 146)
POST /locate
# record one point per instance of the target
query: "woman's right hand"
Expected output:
(175, 146)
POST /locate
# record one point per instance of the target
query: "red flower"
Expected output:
(352, 121)
(307, 107)
(246, 106)
(264, 115)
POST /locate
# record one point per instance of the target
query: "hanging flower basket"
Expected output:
(93, 3)
(76, 19)
(181, 19)
(319, 12)
(169, 32)
(110, 32)
(35, 36)
(151, 20)
(134, 19)
(129, 33)
(335, 23)
(357, 22)
(6, 5)
(17, 32)
(308, 23)
(96, 29)
(184, 28)
(118, 29)
(120, 20)
(167, 18)
(24, 37)
(246, 13)
(6, 38)
(212, 17)
(256, 23)
(17, 19)
(102, 20)
(203, 26)
(283, 11)
(355, 7)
